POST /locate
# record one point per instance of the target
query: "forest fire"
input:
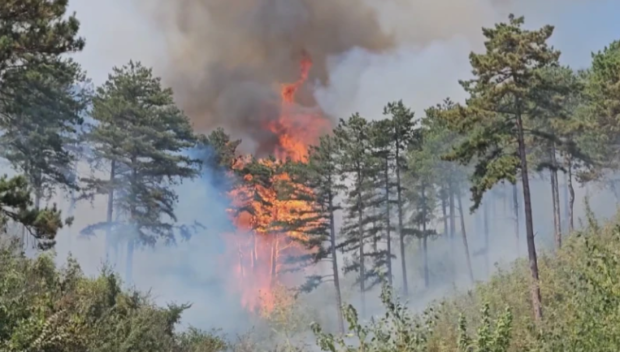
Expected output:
(263, 242)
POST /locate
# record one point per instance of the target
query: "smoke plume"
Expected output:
(225, 59)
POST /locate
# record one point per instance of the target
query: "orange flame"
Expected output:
(261, 246)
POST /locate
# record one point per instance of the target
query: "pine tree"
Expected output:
(40, 123)
(504, 95)
(34, 35)
(421, 193)
(602, 134)
(451, 176)
(403, 126)
(141, 135)
(562, 126)
(16, 206)
(383, 150)
(358, 165)
(219, 150)
(322, 177)
(35, 32)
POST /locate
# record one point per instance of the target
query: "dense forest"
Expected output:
(360, 198)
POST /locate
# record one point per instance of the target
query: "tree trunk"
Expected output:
(425, 238)
(556, 225)
(529, 224)
(452, 212)
(401, 234)
(375, 232)
(274, 259)
(571, 192)
(556, 200)
(444, 211)
(132, 238)
(452, 228)
(565, 196)
(558, 212)
(332, 238)
(425, 253)
(464, 234)
(446, 231)
(37, 198)
(110, 212)
(254, 254)
(360, 231)
(515, 204)
(387, 220)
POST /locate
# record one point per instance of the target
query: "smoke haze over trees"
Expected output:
(236, 178)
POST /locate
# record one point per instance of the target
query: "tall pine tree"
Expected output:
(323, 179)
(402, 136)
(40, 124)
(504, 94)
(357, 166)
(142, 136)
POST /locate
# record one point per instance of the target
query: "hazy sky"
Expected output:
(116, 32)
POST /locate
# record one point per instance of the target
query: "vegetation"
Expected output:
(397, 182)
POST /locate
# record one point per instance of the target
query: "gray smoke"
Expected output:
(225, 60)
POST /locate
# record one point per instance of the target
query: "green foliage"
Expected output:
(487, 339)
(143, 134)
(35, 31)
(507, 89)
(39, 124)
(16, 206)
(46, 309)
(399, 330)
(321, 176)
(358, 164)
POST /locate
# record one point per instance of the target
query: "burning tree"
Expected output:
(273, 211)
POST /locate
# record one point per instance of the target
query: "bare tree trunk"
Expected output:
(556, 225)
(133, 237)
(110, 212)
(425, 253)
(401, 233)
(556, 199)
(387, 220)
(515, 202)
(425, 238)
(464, 234)
(452, 229)
(444, 211)
(272, 259)
(529, 224)
(558, 212)
(375, 232)
(332, 238)
(452, 212)
(571, 201)
(254, 254)
(360, 229)
(565, 196)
